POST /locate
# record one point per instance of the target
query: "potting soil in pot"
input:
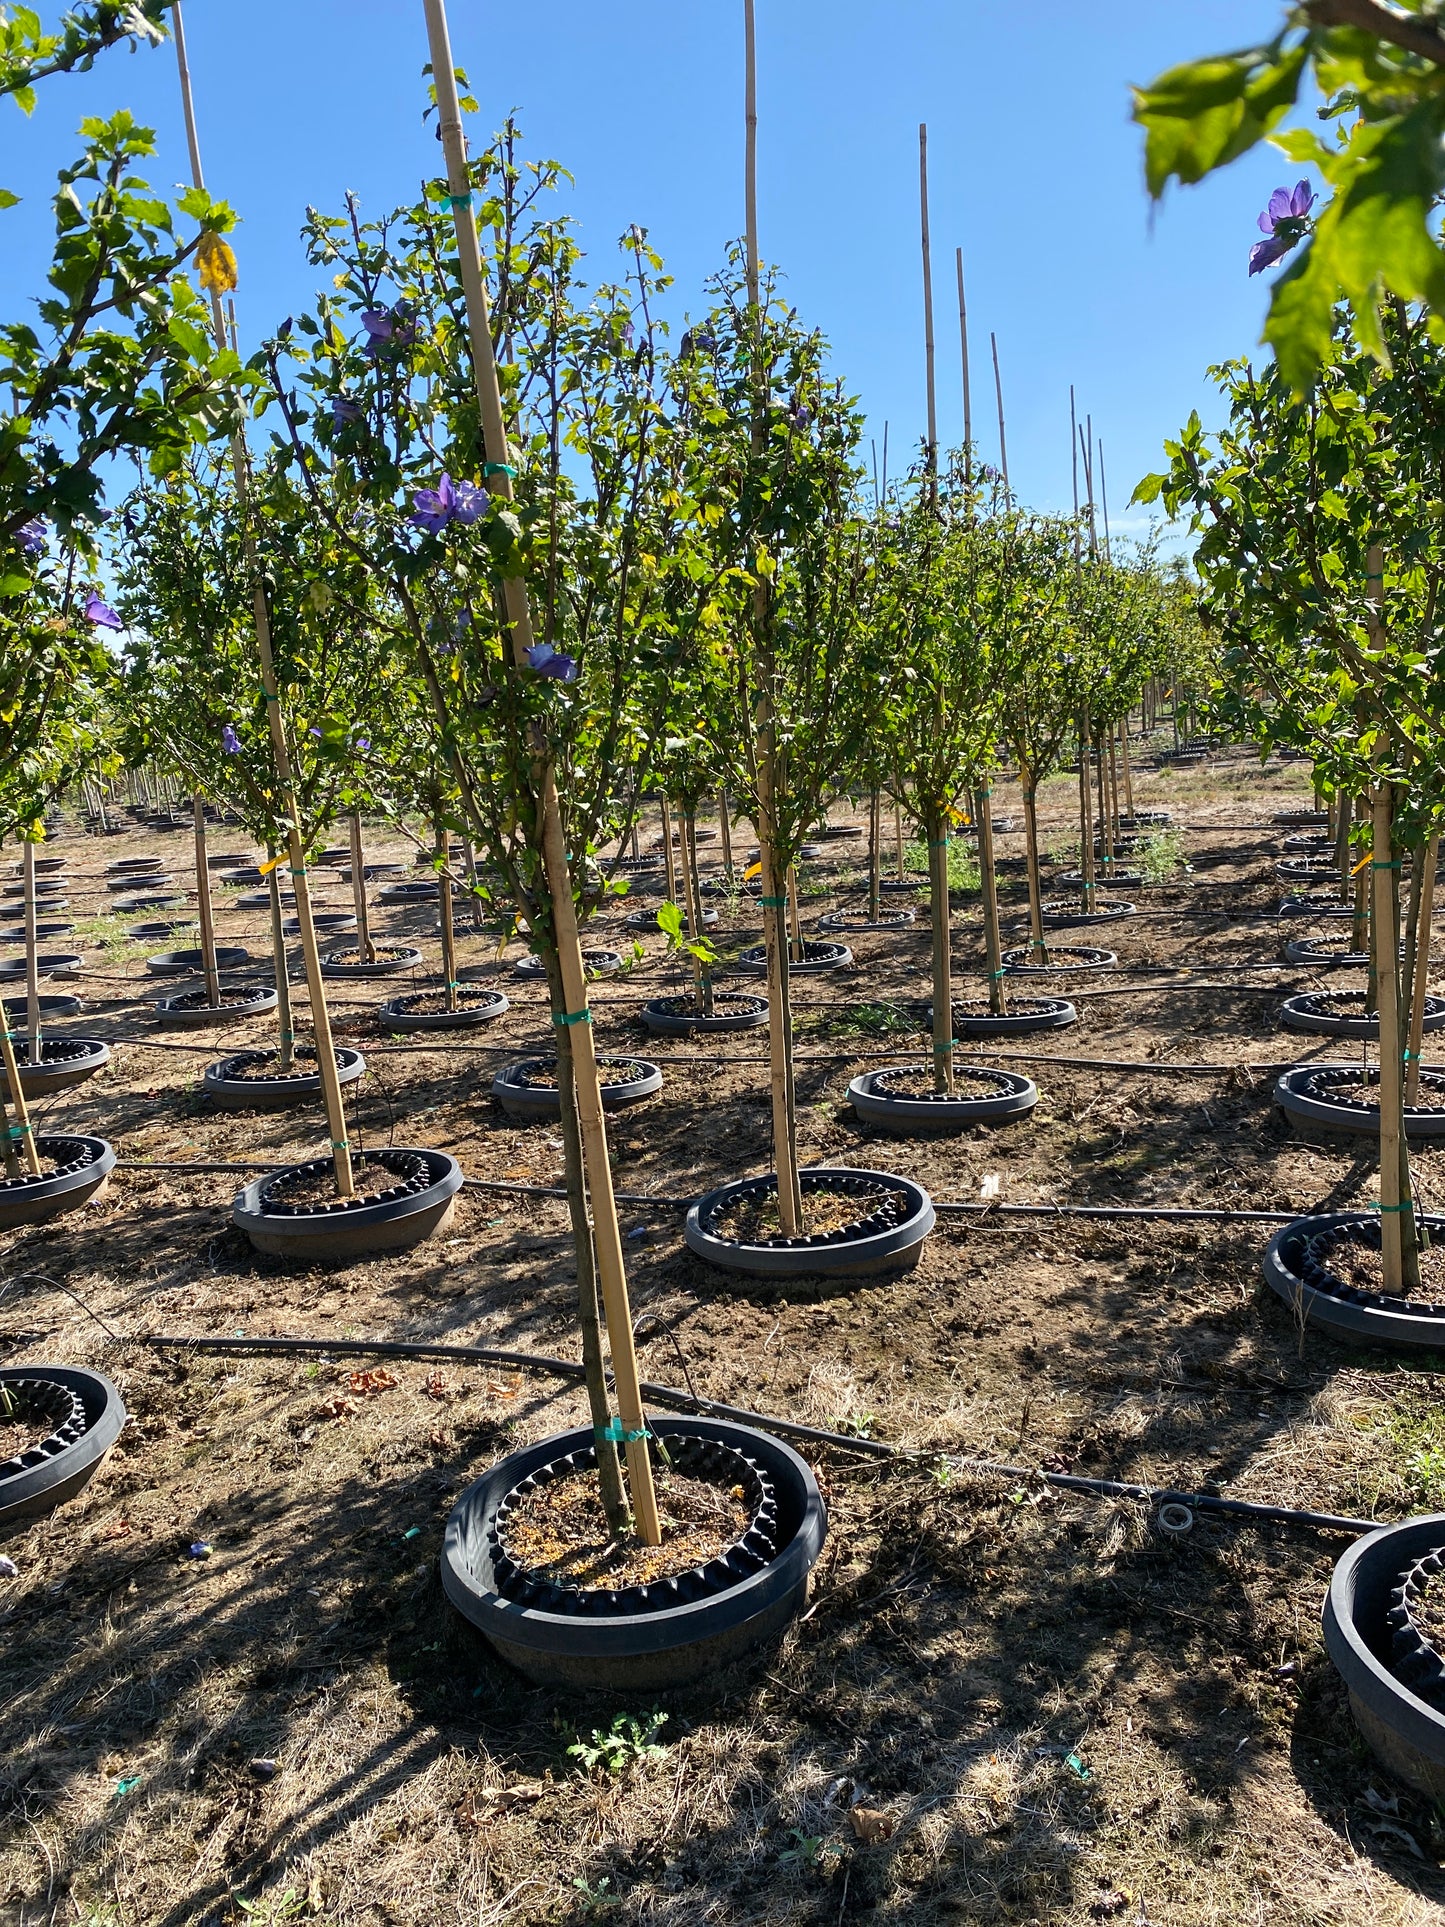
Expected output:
(914, 1081)
(752, 1219)
(376, 1174)
(558, 1531)
(541, 1072)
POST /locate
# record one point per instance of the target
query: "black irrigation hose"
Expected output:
(670, 1396)
(1175, 1212)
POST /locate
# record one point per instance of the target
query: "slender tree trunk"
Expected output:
(795, 924)
(725, 831)
(692, 910)
(365, 948)
(1128, 771)
(589, 1310)
(1341, 828)
(203, 905)
(1038, 949)
(940, 918)
(1106, 841)
(1360, 938)
(1401, 1257)
(898, 833)
(287, 1053)
(669, 856)
(1114, 830)
(17, 1140)
(988, 884)
(32, 954)
(1086, 813)
(875, 856)
(1418, 975)
(444, 905)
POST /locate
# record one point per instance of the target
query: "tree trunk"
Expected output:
(875, 856)
(1086, 812)
(32, 954)
(898, 835)
(365, 948)
(1397, 1218)
(988, 886)
(1038, 949)
(725, 831)
(203, 905)
(668, 857)
(1128, 771)
(795, 923)
(17, 1140)
(692, 910)
(444, 905)
(1418, 975)
(939, 916)
(284, 1017)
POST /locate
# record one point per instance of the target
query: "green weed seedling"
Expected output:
(597, 1897)
(626, 1743)
(272, 1909)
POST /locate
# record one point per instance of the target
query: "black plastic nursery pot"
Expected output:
(1144, 820)
(60, 1003)
(392, 960)
(1313, 1095)
(239, 1004)
(1305, 1264)
(1112, 880)
(47, 889)
(63, 1061)
(1305, 869)
(159, 927)
(402, 1197)
(127, 906)
(47, 865)
(82, 1167)
(52, 963)
(474, 1007)
(1301, 819)
(125, 880)
(1376, 1635)
(973, 1018)
(672, 1632)
(1307, 843)
(242, 1082)
(983, 1096)
(912, 883)
(624, 1081)
(326, 923)
(895, 1215)
(816, 958)
(46, 927)
(1316, 903)
(1061, 911)
(1064, 960)
(1342, 1013)
(1325, 953)
(180, 963)
(679, 1016)
(84, 1415)
(597, 963)
(418, 890)
(852, 920)
(244, 873)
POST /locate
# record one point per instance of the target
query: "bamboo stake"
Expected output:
(365, 948)
(940, 912)
(795, 926)
(1420, 978)
(1074, 460)
(315, 983)
(898, 831)
(668, 856)
(1128, 772)
(444, 910)
(931, 451)
(988, 880)
(1114, 831)
(607, 1232)
(284, 1015)
(1002, 437)
(32, 953)
(1395, 1201)
(204, 915)
(1037, 948)
(1104, 501)
(1086, 810)
(725, 831)
(692, 910)
(19, 1132)
(967, 386)
(875, 855)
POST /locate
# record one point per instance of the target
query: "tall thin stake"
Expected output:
(967, 386)
(204, 915)
(1002, 437)
(1074, 463)
(606, 1230)
(931, 453)
(1104, 501)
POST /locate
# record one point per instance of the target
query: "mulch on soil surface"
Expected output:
(1357, 1265)
(1048, 1705)
(559, 1531)
(756, 1221)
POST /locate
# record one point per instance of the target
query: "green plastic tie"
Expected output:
(774, 903)
(270, 697)
(576, 1017)
(19, 1130)
(1385, 866)
(458, 201)
(942, 1050)
(941, 844)
(341, 1144)
(615, 1430)
(1408, 1205)
(498, 468)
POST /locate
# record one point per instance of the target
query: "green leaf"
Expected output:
(1208, 112)
(7, 199)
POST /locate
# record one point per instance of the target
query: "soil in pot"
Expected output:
(914, 1080)
(540, 1073)
(1360, 1265)
(557, 1531)
(309, 1187)
(833, 1216)
(198, 1000)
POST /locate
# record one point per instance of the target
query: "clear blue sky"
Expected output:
(1035, 170)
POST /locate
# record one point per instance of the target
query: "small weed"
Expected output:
(272, 1909)
(626, 1743)
(805, 1852)
(963, 870)
(597, 1897)
(1160, 856)
(858, 1427)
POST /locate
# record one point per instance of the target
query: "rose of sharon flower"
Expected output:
(99, 614)
(344, 410)
(548, 661)
(32, 536)
(230, 741)
(1284, 222)
(387, 328)
(449, 501)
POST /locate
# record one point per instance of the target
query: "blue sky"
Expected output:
(1035, 171)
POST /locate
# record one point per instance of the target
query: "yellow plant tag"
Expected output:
(753, 870)
(1362, 862)
(275, 862)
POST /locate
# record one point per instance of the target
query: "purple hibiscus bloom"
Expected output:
(387, 328)
(344, 411)
(1284, 222)
(449, 501)
(362, 744)
(98, 613)
(230, 741)
(548, 661)
(32, 536)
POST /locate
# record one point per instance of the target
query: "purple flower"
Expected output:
(32, 536)
(314, 731)
(344, 410)
(449, 501)
(387, 328)
(1284, 222)
(96, 612)
(800, 416)
(230, 741)
(362, 744)
(548, 661)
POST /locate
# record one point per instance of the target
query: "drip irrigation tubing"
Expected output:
(674, 1398)
(992, 1209)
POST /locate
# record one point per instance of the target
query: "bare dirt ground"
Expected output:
(1002, 1705)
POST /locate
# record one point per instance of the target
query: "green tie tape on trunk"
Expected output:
(576, 1017)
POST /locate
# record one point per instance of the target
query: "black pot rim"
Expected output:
(1085, 955)
(638, 1634)
(835, 956)
(324, 1220)
(176, 963)
(791, 1261)
(31, 1491)
(27, 1191)
(1374, 1562)
(1015, 1098)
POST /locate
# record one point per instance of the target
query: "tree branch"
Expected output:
(1409, 32)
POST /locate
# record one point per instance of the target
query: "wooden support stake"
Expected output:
(18, 1139)
(930, 455)
(1395, 1200)
(442, 853)
(988, 880)
(940, 919)
(725, 831)
(1086, 810)
(1038, 949)
(32, 954)
(1426, 863)
(875, 855)
(284, 1014)
(365, 948)
(967, 393)
(607, 1232)
(668, 856)
(204, 916)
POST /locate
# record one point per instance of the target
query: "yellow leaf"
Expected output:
(216, 264)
